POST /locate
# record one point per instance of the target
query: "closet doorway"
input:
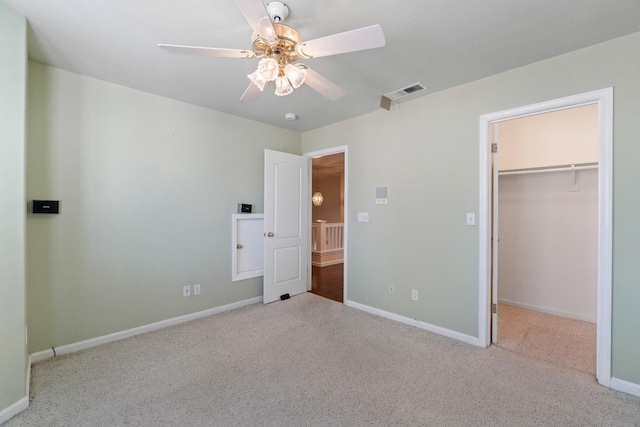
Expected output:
(489, 224)
(328, 228)
(547, 208)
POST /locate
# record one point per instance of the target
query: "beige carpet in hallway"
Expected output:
(563, 341)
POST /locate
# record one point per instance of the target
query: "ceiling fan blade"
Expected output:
(251, 93)
(323, 85)
(256, 15)
(349, 41)
(208, 51)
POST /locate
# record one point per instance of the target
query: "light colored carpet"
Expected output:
(566, 342)
(309, 361)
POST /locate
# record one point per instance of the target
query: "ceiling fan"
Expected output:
(279, 47)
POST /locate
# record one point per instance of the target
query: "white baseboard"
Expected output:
(417, 323)
(625, 386)
(70, 348)
(326, 263)
(39, 356)
(21, 404)
(327, 252)
(548, 311)
(15, 409)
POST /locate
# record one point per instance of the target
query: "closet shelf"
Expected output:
(544, 169)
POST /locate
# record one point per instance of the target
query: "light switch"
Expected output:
(363, 217)
(471, 219)
(381, 195)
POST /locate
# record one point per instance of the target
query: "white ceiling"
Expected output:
(440, 43)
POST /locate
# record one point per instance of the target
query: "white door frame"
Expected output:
(604, 99)
(322, 153)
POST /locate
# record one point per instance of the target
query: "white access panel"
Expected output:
(247, 246)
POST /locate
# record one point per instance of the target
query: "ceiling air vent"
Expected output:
(397, 95)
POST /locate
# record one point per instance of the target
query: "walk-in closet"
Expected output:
(548, 235)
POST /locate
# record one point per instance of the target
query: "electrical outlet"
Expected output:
(196, 289)
(363, 217)
(392, 289)
(186, 291)
(414, 294)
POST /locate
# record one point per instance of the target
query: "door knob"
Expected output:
(270, 234)
(238, 246)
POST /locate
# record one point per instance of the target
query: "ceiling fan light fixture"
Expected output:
(258, 79)
(296, 75)
(279, 46)
(283, 87)
(269, 69)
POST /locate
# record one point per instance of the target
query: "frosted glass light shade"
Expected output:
(296, 75)
(283, 87)
(317, 198)
(269, 69)
(258, 79)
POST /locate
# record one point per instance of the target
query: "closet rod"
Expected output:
(558, 168)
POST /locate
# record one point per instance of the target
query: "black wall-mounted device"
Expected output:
(46, 206)
(244, 208)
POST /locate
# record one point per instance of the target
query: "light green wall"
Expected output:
(147, 187)
(427, 153)
(13, 75)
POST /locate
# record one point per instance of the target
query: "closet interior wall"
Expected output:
(548, 212)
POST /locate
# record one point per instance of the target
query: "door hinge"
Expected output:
(494, 308)
(494, 147)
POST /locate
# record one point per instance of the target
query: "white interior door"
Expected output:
(286, 224)
(495, 240)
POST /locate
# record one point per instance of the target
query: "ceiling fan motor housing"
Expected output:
(277, 11)
(285, 49)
